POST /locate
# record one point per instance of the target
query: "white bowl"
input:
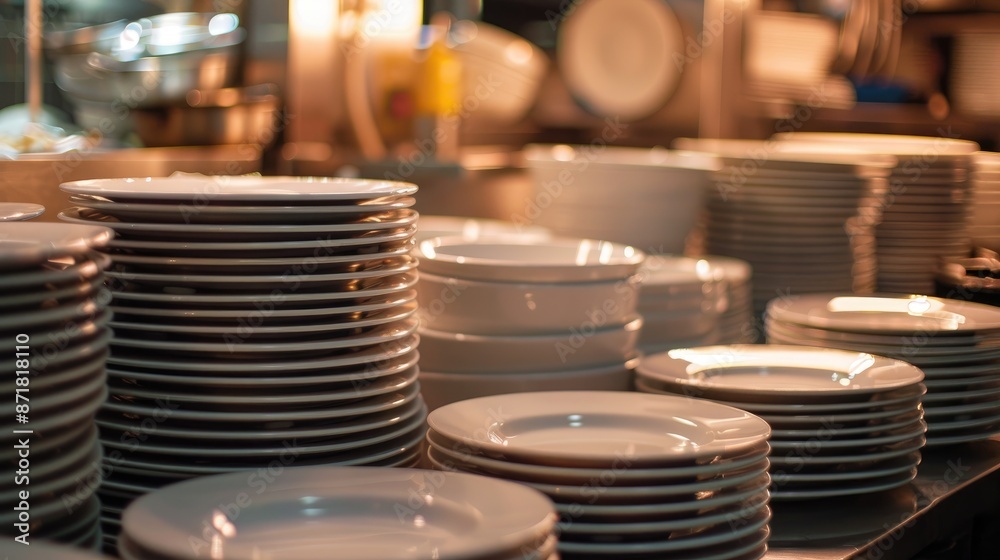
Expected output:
(509, 308)
(439, 389)
(529, 260)
(501, 72)
(580, 190)
(429, 227)
(581, 347)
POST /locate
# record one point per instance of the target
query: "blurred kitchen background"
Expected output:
(446, 93)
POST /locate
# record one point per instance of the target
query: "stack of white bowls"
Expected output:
(694, 302)
(53, 315)
(511, 314)
(974, 83)
(984, 225)
(19, 211)
(955, 343)
(843, 423)
(357, 513)
(650, 199)
(429, 227)
(802, 215)
(925, 211)
(258, 322)
(502, 72)
(631, 475)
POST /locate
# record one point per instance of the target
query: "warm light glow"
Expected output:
(313, 18)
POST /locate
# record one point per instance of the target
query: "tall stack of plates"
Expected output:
(842, 423)
(327, 512)
(955, 343)
(258, 322)
(511, 314)
(694, 302)
(974, 84)
(53, 315)
(802, 216)
(19, 212)
(631, 475)
(984, 225)
(925, 211)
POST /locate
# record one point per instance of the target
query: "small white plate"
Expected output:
(371, 405)
(215, 214)
(288, 281)
(379, 336)
(172, 364)
(887, 314)
(256, 450)
(351, 426)
(594, 428)
(879, 484)
(464, 457)
(23, 244)
(397, 220)
(390, 286)
(520, 260)
(19, 211)
(729, 542)
(390, 315)
(204, 189)
(297, 248)
(781, 371)
(462, 517)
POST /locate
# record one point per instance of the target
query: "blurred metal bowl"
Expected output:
(74, 38)
(153, 80)
(227, 116)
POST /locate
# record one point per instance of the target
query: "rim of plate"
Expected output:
(705, 368)
(500, 515)
(481, 422)
(26, 243)
(187, 187)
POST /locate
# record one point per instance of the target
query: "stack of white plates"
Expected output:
(359, 513)
(650, 199)
(802, 216)
(631, 475)
(984, 225)
(258, 322)
(694, 302)
(842, 423)
(974, 84)
(955, 343)
(511, 314)
(53, 313)
(19, 212)
(925, 211)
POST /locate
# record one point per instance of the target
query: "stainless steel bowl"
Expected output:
(227, 116)
(153, 80)
(75, 38)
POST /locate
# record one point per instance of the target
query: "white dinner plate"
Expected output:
(463, 516)
(781, 371)
(394, 221)
(463, 457)
(360, 214)
(521, 260)
(289, 281)
(887, 314)
(381, 335)
(372, 355)
(24, 244)
(19, 211)
(205, 189)
(593, 428)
